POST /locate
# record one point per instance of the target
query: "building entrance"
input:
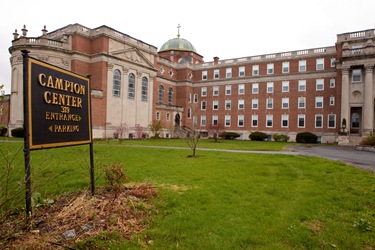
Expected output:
(356, 120)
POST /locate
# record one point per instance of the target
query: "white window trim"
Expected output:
(282, 116)
(318, 115)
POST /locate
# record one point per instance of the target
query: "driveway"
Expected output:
(361, 159)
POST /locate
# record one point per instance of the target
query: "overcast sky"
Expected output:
(227, 29)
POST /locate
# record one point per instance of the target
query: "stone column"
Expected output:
(345, 107)
(368, 107)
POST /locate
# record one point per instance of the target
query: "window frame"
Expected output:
(241, 89)
(285, 86)
(255, 101)
(329, 121)
(316, 121)
(131, 86)
(270, 69)
(116, 86)
(285, 67)
(228, 73)
(253, 119)
(301, 83)
(204, 91)
(216, 74)
(270, 87)
(204, 75)
(319, 82)
(285, 103)
(320, 64)
(215, 105)
(255, 86)
(241, 71)
(226, 119)
(255, 70)
(269, 117)
(319, 102)
(228, 104)
(240, 121)
(215, 90)
(282, 120)
(241, 102)
(144, 89)
(303, 116)
(302, 66)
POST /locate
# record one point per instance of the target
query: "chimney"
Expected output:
(216, 60)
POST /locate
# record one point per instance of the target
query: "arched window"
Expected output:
(116, 83)
(161, 95)
(131, 86)
(170, 96)
(144, 89)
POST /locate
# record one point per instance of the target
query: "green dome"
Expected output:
(177, 44)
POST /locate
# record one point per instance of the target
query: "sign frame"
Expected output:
(59, 134)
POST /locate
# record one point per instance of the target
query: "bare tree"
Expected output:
(216, 130)
(156, 127)
(121, 130)
(139, 131)
(192, 140)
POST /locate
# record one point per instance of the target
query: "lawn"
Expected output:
(224, 200)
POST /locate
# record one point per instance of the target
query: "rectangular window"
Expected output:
(255, 70)
(203, 105)
(332, 83)
(319, 84)
(254, 120)
(318, 121)
(331, 121)
(332, 101)
(204, 75)
(255, 88)
(357, 75)
(269, 103)
(269, 121)
(203, 120)
(189, 113)
(195, 98)
(216, 74)
(215, 105)
(301, 102)
(319, 102)
(168, 117)
(285, 67)
(241, 121)
(157, 116)
(241, 71)
(320, 64)
(227, 104)
(204, 91)
(189, 98)
(269, 87)
(227, 120)
(284, 120)
(285, 86)
(228, 89)
(228, 73)
(270, 69)
(285, 102)
(301, 121)
(241, 89)
(254, 103)
(302, 85)
(215, 120)
(302, 66)
(195, 120)
(215, 90)
(241, 104)
(333, 62)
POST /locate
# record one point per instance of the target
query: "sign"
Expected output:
(58, 106)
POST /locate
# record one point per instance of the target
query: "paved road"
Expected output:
(360, 159)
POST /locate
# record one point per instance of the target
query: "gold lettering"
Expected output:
(47, 96)
(50, 82)
(58, 83)
(41, 77)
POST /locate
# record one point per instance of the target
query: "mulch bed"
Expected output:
(78, 216)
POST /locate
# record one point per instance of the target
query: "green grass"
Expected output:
(204, 143)
(226, 200)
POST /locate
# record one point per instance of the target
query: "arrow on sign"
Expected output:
(50, 128)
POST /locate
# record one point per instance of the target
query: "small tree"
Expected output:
(121, 130)
(156, 127)
(216, 130)
(139, 131)
(193, 140)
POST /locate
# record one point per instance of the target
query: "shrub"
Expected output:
(3, 130)
(258, 136)
(306, 137)
(280, 137)
(115, 176)
(17, 132)
(369, 141)
(229, 135)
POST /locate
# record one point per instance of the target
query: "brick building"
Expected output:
(134, 83)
